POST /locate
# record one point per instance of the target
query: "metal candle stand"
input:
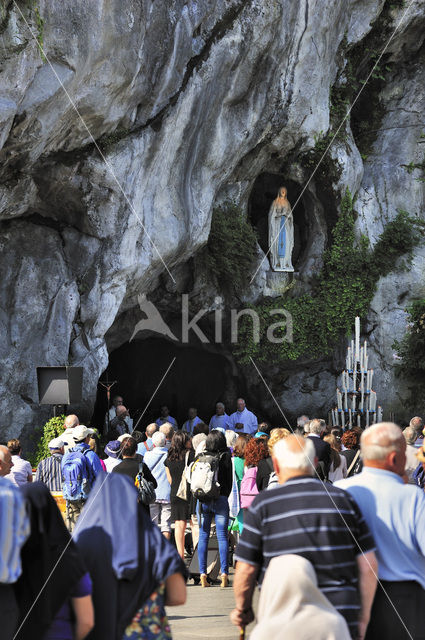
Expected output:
(356, 400)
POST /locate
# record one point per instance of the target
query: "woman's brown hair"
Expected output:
(240, 445)
(256, 450)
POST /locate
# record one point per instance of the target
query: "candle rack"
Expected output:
(356, 401)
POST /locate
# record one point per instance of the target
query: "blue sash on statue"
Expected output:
(281, 243)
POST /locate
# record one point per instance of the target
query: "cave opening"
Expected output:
(199, 377)
(264, 191)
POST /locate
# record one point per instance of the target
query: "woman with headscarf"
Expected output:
(129, 560)
(54, 588)
(112, 451)
(292, 605)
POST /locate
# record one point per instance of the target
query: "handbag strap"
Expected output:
(159, 458)
(353, 463)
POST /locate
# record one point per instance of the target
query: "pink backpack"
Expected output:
(248, 487)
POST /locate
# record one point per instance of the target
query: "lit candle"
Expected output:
(379, 414)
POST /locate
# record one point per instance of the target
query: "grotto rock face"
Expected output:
(137, 119)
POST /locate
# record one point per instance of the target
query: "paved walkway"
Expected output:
(205, 614)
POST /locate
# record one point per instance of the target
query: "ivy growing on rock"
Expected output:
(410, 351)
(343, 289)
(231, 250)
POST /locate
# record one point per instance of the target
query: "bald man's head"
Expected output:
(294, 456)
(167, 429)
(151, 429)
(71, 421)
(5, 461)
(417, 424)
(383, 446)
(121, 411)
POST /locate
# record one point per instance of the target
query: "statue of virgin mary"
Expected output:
(281, 233)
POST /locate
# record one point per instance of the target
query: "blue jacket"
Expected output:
(155, 461)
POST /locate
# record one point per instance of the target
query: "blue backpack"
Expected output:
(77, 475)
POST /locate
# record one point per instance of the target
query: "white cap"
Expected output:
(124, 436)
(56, 443)
(81, 432)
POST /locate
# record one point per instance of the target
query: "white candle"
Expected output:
(371, 377)
(368, 381)
(352, 353)
(379, 414)
(345, 401)
(354, 379)
(353, 403)
(339, 400)
(347, 359)
(358, 420)
(362, 401)
(365, 354)
(361, 358)
(357, 323)
(373, 401)
(342, 419)
(349, 417)
(362, 381)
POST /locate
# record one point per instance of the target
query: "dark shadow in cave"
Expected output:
(264, 191)
(199, 377)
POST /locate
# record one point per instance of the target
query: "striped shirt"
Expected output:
(14, 530)
(304, 518)
(49, 472)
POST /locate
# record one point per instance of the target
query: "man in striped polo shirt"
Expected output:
(49, 469)
(323, 524)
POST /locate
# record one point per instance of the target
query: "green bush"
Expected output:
(52, 429)
(343, 290)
